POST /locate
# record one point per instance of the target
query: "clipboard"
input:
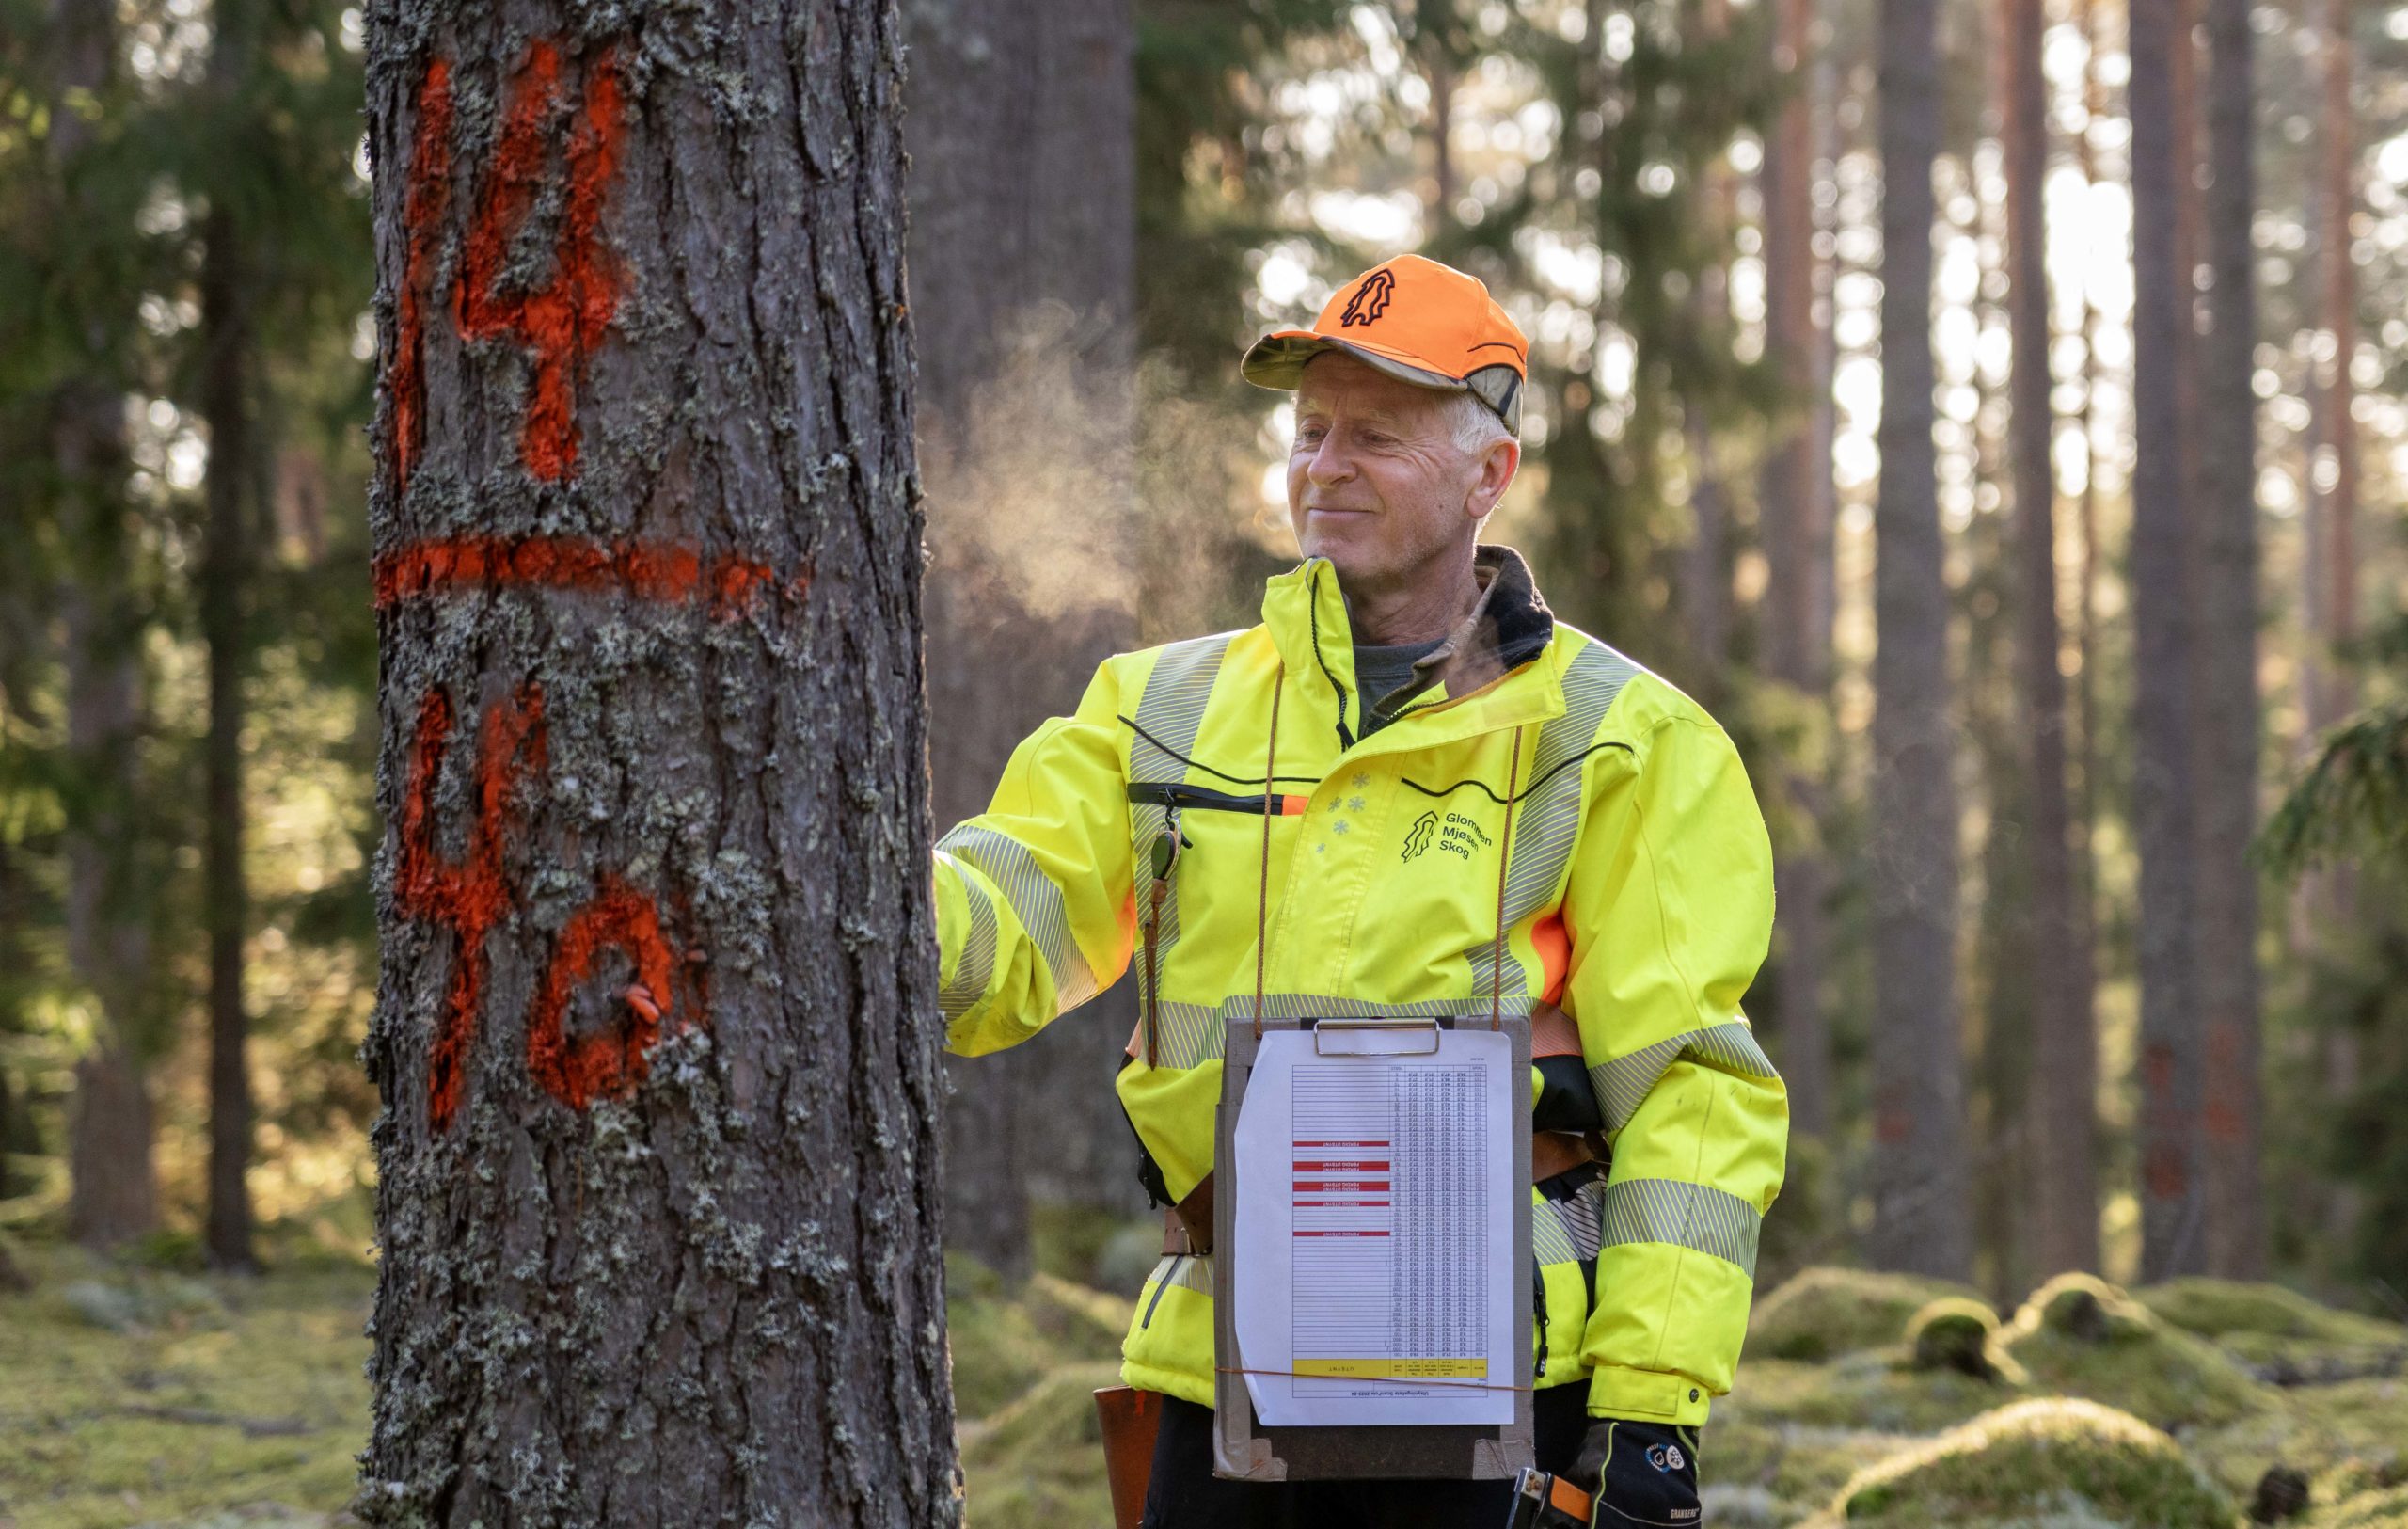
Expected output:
(1243, 1448)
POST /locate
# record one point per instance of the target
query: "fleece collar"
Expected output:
(1510, 626)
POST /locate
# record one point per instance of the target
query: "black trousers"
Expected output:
(1184, 1494)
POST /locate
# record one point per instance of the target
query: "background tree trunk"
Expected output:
(2226, 599)
(656, 1028)
(1921, 1203)
(17, 1134)
(113, 1184)
(2326, 898)
(2061, 1121)
(2087, 758)
(2330, 593)
(2173, 1204)
(1795, 500)
(228, 291)
(1023, 233)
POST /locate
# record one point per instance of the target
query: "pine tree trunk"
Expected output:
(1921, 1184)
(2226, 695)
(2173, 1202)
(2326, 898)
(113, 1191)
(2331, 602)
(16, 1133)
(2085, 604)
(1703, 566)
(656, 1029)
(2063, 1088)
(226, 352)
(1023, 137)
(1795, 505)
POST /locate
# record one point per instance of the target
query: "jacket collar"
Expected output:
(1306, 612)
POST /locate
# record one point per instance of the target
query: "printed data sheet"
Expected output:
(1374, 1275)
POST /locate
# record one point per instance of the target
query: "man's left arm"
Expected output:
(1670, 912)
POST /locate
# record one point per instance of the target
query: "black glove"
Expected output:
(1642, 1474)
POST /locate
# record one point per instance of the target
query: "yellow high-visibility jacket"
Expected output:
(1637, 897)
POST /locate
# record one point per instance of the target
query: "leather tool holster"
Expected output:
(1130, 1419)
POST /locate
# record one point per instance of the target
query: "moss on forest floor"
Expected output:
(135, 1395)
(125, 1395)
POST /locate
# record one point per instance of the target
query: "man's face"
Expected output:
(1376, 482)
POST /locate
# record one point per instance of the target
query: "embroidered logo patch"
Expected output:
(1370, 301)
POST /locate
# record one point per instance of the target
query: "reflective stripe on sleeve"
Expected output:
(1035, 898)
(977, 967)
(1622, 1084)
(1693, 1216)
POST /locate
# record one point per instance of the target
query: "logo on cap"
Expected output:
(1370, 299)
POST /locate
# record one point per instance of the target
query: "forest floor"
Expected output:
(136, 1395)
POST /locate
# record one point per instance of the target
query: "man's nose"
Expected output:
(1330, 462)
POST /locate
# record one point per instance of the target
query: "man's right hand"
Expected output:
(1644, 1473)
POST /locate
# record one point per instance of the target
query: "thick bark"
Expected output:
(2226, 599)
(656, 1028)
(1920, 1174)
(228, 347)
(1795, 497)
(2173, 1202)
(1022, 252)
(112, 1188)
(2061, 1134)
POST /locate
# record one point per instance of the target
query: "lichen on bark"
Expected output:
(677, 1261)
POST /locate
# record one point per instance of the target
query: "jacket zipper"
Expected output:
(1159, 1286)
(1538, 1301)
(1312, 607)
(1177, 798)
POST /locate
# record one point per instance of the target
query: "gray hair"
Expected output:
(1472, 422)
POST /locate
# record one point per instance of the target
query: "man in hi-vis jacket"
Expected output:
(1417, 683)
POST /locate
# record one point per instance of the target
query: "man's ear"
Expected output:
(1498, 460)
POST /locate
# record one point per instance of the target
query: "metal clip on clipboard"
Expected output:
(1375, 1038)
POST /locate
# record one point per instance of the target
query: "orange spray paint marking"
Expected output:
(663, 574)
(422, 213)
(565, 320)
(468, 897)
(612, 1063)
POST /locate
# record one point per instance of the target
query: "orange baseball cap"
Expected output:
(1417, 321)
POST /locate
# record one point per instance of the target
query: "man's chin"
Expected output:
(1346, 554)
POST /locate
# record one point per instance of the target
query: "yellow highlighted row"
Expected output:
(1394, 1369)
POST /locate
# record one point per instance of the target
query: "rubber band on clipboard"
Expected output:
(1374, 1379)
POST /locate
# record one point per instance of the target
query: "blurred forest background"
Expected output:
(2037, 526)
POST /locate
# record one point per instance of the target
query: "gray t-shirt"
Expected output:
(1379, 671)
